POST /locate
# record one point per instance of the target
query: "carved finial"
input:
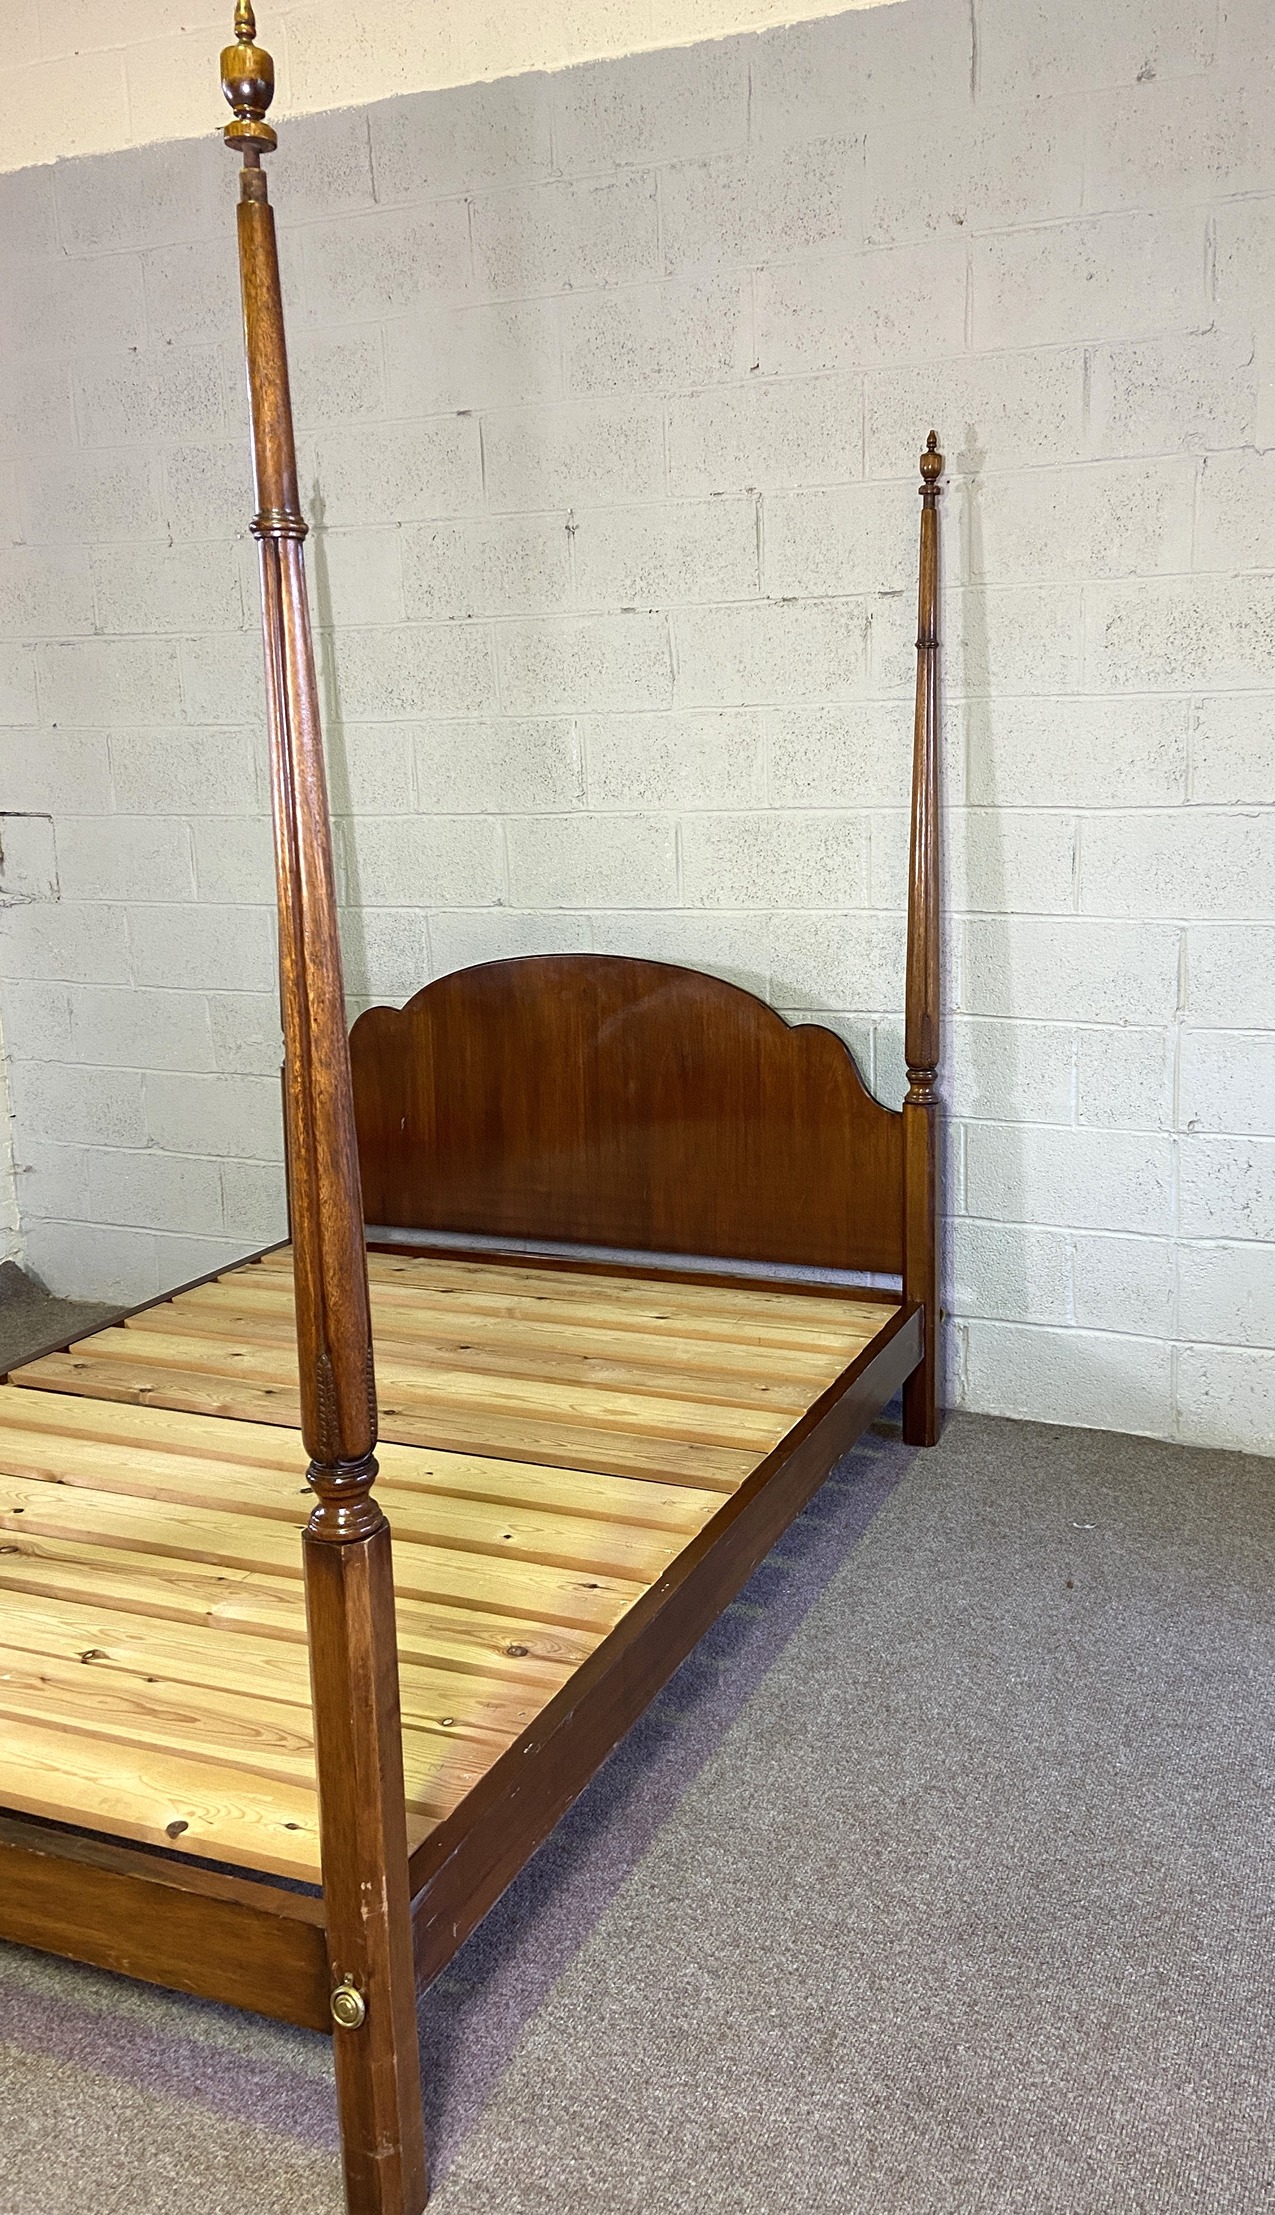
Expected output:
(247, 79)
(931, 461)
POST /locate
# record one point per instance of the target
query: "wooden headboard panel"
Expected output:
(598, 1100)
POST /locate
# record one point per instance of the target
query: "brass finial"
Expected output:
(931, 459)
(247, 79)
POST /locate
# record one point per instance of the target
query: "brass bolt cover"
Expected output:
(349, 2008)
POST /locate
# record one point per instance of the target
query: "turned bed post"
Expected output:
(921, 1029)
(346, 1546)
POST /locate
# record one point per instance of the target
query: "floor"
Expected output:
(938, 1881)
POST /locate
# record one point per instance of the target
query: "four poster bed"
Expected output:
(641, 1261)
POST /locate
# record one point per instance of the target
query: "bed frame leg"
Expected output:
(921, 1040)
(350, 1610)
(920, 1276)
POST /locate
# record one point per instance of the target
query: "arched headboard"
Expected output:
(597, 1100)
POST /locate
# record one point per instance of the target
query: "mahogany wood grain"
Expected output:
(346, 1550)
(631, 1104)
(923, 1011)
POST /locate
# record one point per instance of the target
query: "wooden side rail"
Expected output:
(922, 1019)
(346, 1547)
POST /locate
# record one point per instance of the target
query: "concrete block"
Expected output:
(124, 858)
(369, 768)
(1122, 276)
(75, 307)
(45, 592)
(778, 651)
(389, 263)
(245, 1032)
(1230, 971)
(170, 588)
(111, 1027)
(1227, 1188)
(84, 1261)
(1008, 1070)
(254, 1202)
(336, 377)
(1167, 142)
(854, 538)
(28, 216)
(974, 170)
(730, 946)
(861, 311)
(852, 756)
(611, 861)
(153, 1191)
(91, 498)
(396, 474)
(37, 1022)
(188, 772)
(201, 948)
(67, 1105)
(758, 208)
(659, 337)
(585, 662)
(192, 292)
(651, 557)
(1009, 1270)
(462, 938)
(1190, 632)
(1006, 411)
(215, 1115)
(1124, 1078)
(497, 767)
(656, 107)
(1105, 519)
(506, 565)
(28, 860)
(1077, 753)
(355, 577)
(432, 143)
(851, 963)
(585, 452)
(140, 196)
(1226, 1397)
(1226, 1294)
(1096, 1379)
(56, 772)
(1125, 1284)
(234, 859)
(667, 761)
(764, 436)
(222, 679)
(329, 167)
(207, 490)
(120, 399)
(1084, 1179)
(66, 942)
(1233, 523)
(1004, 862)
(1245, 261)
(421, 669)
(35, 405)
(775, 861)
(50, 1180)
(110, 680)
(1182, 394)
(566, 234)
(812, 80)
(385, 951)
(498, 353)
(1227, 1083)
(18, 705)
(1065, 969)
(1161, 874)
(455, 862)
(1035, 47)
(1001, 639)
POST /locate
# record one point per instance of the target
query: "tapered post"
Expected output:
(346, 1545)
(923, 1012)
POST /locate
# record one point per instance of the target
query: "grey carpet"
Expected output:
(938, 1881)
(31, 1319)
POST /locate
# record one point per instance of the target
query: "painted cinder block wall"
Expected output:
(610, 386)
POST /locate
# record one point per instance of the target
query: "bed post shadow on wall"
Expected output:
(923, 1010)
(346, 1546)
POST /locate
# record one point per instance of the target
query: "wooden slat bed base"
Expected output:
(154, 1677)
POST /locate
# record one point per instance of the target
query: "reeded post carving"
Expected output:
(346, 1547)
(923, 1007)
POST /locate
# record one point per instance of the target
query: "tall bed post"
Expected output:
(346, 1546)
(921, 1030)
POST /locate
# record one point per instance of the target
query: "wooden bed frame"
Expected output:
(644, 1261)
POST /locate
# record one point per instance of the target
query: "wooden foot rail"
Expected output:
(921, 1031)
(346, 1547)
